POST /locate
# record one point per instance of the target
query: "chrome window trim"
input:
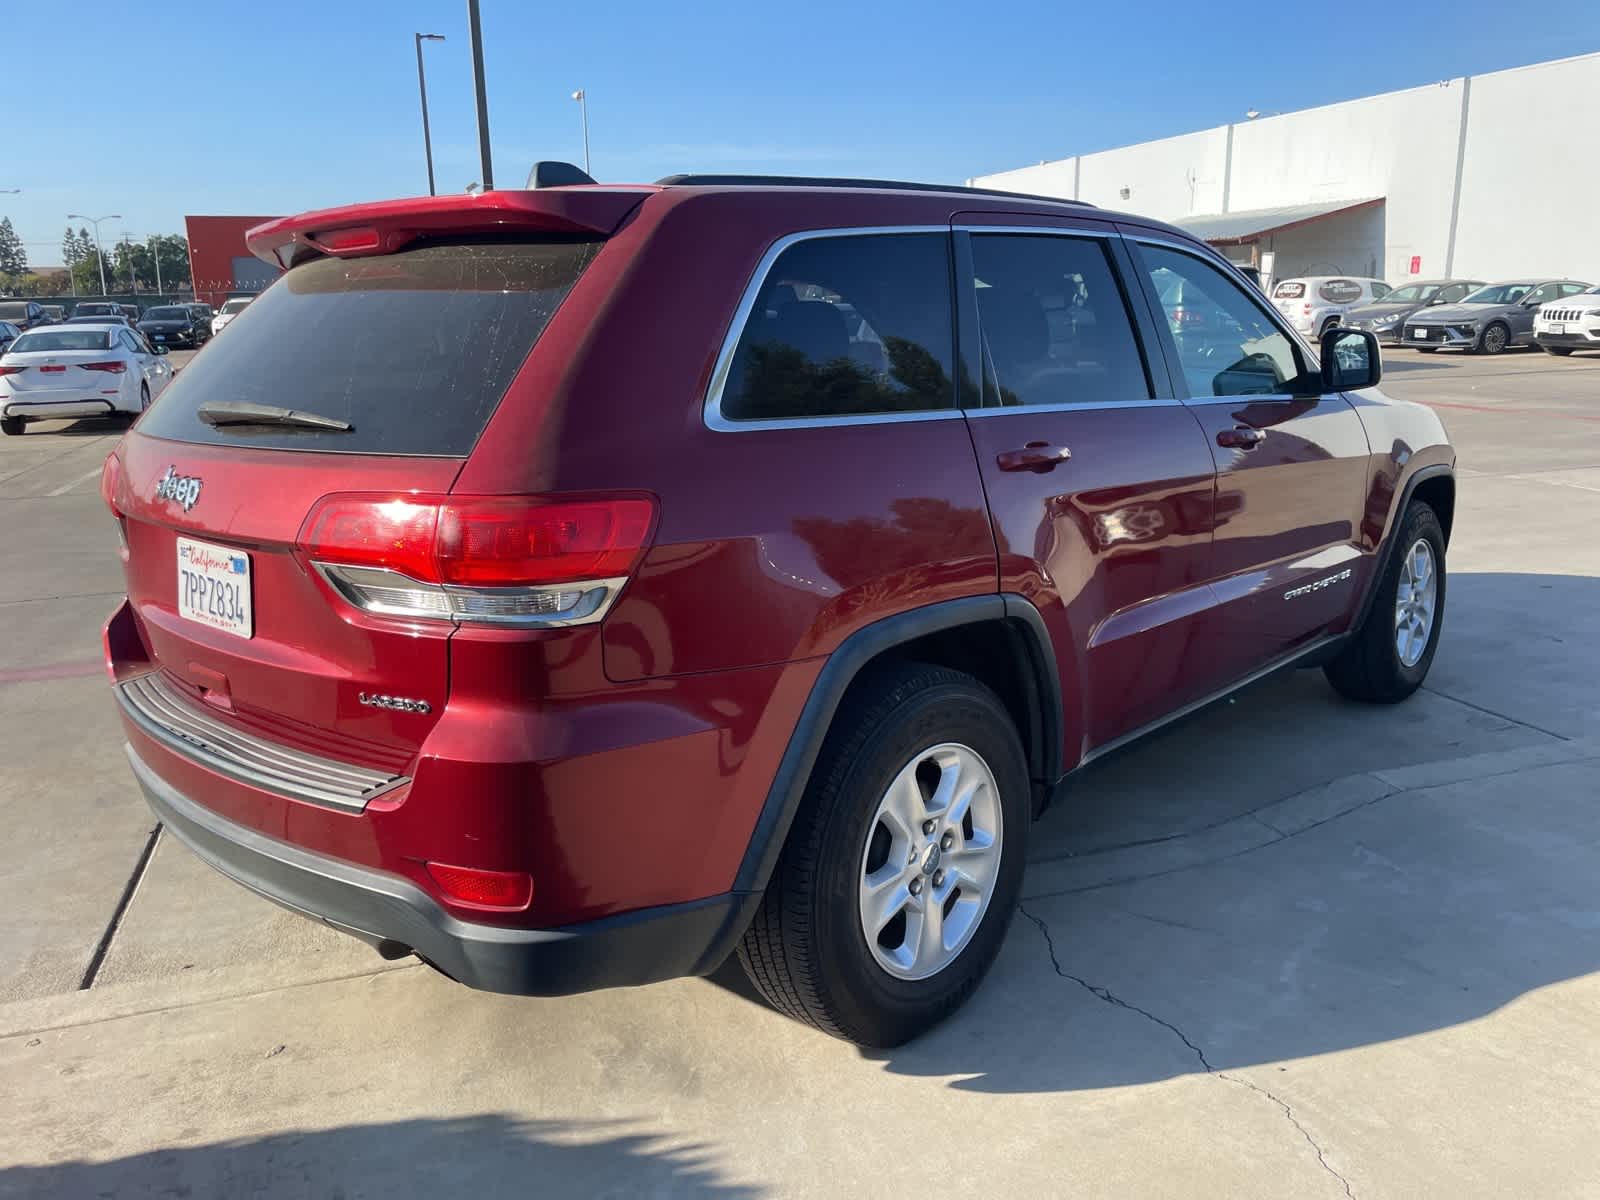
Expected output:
(1018, 409)
(711, 409)
(1050, 230)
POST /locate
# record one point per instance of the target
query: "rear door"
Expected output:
(1098, 479)
(1291, 463)
(414, 351)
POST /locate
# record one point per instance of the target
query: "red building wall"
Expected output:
(217, 255)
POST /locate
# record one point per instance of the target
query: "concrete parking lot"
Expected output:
(1291, 947)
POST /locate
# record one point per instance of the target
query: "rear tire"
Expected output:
(1373, 667)
(11, 426)
(1558, 351)
(919, 735)
(1426, 349)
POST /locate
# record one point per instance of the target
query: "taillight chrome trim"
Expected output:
(377, 590)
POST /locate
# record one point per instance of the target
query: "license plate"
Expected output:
(214, 587)
(159, 337)
(1420, 335)
(1558, 328)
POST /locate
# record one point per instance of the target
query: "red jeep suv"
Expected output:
(573, 586)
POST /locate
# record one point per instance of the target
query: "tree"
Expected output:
(13, 258)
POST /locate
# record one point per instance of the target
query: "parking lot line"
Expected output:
(84, 478)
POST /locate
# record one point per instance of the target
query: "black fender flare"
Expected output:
(839, 672)
(1387, 550)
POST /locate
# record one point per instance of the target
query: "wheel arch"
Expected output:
(1440, 481)
(999, 639)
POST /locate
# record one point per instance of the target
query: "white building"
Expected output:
(1484, 177)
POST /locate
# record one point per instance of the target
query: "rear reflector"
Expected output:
(483, 889)
(496, 559)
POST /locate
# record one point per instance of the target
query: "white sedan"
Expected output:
(229, 310)
(65, 371)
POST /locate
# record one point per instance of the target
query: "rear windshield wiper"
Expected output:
(243, 412)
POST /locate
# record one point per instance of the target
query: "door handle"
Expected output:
(1035, 456)
(1241, 437)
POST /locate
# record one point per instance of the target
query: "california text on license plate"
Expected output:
(214, 587)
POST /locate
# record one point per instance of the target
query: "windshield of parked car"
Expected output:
(1416, 293)
(167, 314)
(1499, 293)
(232, 306)
(62, 339)
(93, 310)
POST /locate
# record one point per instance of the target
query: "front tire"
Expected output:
(1388, 657)
(914, 824)
(1494, 339)
(12, 426)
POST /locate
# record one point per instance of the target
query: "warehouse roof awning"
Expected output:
(1237, 228)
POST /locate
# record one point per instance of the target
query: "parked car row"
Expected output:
(189, 325)
(1557, 315)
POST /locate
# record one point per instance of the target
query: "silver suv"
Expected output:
(1314, 304)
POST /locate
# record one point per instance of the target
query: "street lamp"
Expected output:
(155, 257)
(98, 252)
(583, 106)
(422, 87)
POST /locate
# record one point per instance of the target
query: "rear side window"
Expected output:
(1055, 325)
(1289, 291)
(1340, 291)
(413, 349)
(847, 326)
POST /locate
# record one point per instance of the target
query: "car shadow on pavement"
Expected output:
(1416, 902)
(480, 1156)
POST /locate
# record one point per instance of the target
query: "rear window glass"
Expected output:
(413, 349)
(167, 314)
(1289, 291)
(13, 312)
(62, 339)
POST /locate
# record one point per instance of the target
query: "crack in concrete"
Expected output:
(1106, 995)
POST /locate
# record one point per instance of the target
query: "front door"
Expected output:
(1291, 462)
(1099, 481)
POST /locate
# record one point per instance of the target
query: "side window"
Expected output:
(1453, 293)
(1548, 291)
(847, 326)
(1226, 345)
(1380, 289)
(1571, 289)
(1055, 323)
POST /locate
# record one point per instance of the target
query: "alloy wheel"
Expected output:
(1415, 602)
(931, 861)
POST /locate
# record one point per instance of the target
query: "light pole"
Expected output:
(475, 25)
(422, 87)
(583, 107)
(155, 257)
(133, 273)
(99, 254)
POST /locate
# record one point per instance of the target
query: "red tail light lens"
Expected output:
(395, 533)
(12, 370)
(111, 483)
(518, 560)
(115, 367)
(491, 542)
(508, 890)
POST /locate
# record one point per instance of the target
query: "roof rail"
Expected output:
(894, 185)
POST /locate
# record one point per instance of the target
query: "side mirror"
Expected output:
(1350, 360)
(1530, 302)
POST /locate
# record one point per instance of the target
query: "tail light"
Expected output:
(1306, 308)
(12, 370)
(111, 483)
(529, 561)
(477, 888)
(115, 367)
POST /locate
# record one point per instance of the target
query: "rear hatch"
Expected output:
(400, 359)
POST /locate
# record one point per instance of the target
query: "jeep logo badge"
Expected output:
(185, 489)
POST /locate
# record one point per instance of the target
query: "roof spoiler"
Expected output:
(358, 230)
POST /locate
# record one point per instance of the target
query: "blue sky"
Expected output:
(271, 109)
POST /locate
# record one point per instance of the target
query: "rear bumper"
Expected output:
(392, 914)
(58, 409)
